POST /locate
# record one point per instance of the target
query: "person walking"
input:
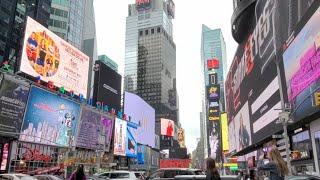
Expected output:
(276, 166)
(78, 174)
(212, 171)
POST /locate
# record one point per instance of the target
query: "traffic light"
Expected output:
(317, 98)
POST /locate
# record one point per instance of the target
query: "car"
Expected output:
(223, 177)
(171, 173)
(123, 175)
(47, 177)
(17, 176)
(303, 177)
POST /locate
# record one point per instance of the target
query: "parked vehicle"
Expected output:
(171, 173)
(47, 177)
(16, 177)
(123, 175)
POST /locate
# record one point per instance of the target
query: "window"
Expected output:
(104, 175)
(152, 31)
(158, 30)
(147, 32)
(317, 143)
(119, 175)
(157, 175)
(141, 33)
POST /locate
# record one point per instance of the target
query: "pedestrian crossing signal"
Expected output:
(317, 98)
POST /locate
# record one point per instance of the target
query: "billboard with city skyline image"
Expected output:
(50, 119)
(302, 67)
(142, 114)
(46, 55)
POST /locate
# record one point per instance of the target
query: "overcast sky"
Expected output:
(190, 15)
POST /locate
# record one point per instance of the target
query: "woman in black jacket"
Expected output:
(212, 172)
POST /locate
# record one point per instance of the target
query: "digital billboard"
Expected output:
(224, 132)
(107, 86)
(95, 130)
(142, 114)
(51, 58)
(213, 63)
(214, 139)
(174, 163)
(50, 119)
(167, 127)
(181, 138)
(213, 92)
(131, 145)
(214, 114)
(142, 5)
(302, 67)
(13, 100)
(120, 137)
(213, 79)
(108, 123)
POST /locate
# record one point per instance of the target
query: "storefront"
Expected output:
(315, 137)
(301, 152)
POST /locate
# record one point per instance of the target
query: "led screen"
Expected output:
(302, 67)
(50, 119)
(143, 114)
(167, 127)
(46, 55)
(131, 144)
(120, 137)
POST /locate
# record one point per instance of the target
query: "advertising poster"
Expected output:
(120, 137)
(214, 114)
(224, 132)
(302, 67)
(131, 147)
(46, 55)
(167, 127)
(140, 154)
(50, 119)
(108, 124)
(213, 92)
(240, 131)
(107, 86)
(214, 140)
(13, 100)
(143, 114)
(181, 138)
(175, 163)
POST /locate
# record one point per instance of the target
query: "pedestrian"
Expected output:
(78, 174)
(212, 171)
(276, 166)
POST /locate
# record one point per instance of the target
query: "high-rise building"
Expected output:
(59, 17)
(109, 62)
(150, 56)
(213, 47)
(13, 15)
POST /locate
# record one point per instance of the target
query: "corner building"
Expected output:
(150, 57)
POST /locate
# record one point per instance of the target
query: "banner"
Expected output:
(50, 119)
(51, 58)
(131, 147)
(13, 100)
(120, 137)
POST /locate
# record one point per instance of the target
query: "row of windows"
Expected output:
(59, 12)
(147, 31)
(58, 24)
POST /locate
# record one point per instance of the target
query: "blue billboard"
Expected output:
(50, 119)
(131, 145)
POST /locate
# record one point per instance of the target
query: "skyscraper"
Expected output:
(59, 17)
(109, 62)
(150, 56)
(212, 47)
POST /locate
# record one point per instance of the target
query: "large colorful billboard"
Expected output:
(213, 92)
(107, 86)
(224, 132)
(175, 163)
(142, 5)
(50, 119)
(214, 140)
(131, 145)
(13, 100)
(167, 127)
(120, 137)
(143, 114)
(49, 57)
(302, 67)
(95, 130)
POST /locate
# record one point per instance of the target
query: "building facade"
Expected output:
(109, 62)
(212, 47)
(150, 57)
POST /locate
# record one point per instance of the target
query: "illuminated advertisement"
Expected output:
(120, 137)
(142, 5)
(108, 124)
(5, 155)
(13, 100)
(181, 138)
(214, 139)
(240, 131)
(175, 163)
(213, 92)
(213, 63)
(167, 127)
(213, 79)
(50, 119)
(224, 132)
(142, 114)
(302, 67)
(131, 147)
(214, 114)
(95, 130)
(140, 154)
(49, 57)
